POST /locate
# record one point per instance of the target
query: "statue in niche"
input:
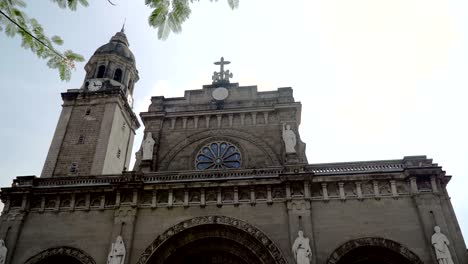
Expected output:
(301, 249)
(148, 146)
(117, 252)
(289, 139)
(441, 243)
(3, 252)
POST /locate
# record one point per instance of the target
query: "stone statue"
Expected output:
(3, 252)
(301, 249)
(148, 146)
(136, 166)
(289, 139)
(441, 243)
(117, 252)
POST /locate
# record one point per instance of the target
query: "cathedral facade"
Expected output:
(221, 177)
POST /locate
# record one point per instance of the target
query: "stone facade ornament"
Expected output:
(301, 249)
(289, 139)
(441, 243)
(222, 76)
(117, 252)
(148, 147)
(3, 252)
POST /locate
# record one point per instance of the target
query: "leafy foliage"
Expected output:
(169, 15)
(33, 36)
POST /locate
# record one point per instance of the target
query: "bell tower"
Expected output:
(96, 128)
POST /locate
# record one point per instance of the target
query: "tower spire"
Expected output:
(123, 26)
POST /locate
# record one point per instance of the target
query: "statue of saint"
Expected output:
(289, 139)
(301, 249)
(137, 163)
(3, 252)
(441, 243)
(117, 252)
(148, 146)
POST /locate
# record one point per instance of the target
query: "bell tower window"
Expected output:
(118, 75)
(101, 71)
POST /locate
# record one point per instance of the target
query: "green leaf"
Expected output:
(11, 29)
(57, 40)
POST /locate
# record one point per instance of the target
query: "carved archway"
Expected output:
(373, 243)
(72, 253)
(216, 228)
(236, 134)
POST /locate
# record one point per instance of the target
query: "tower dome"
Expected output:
(118, 45)
(111, 67)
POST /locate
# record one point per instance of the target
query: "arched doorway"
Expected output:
(212, 240)
(60, 255)
(373, 250)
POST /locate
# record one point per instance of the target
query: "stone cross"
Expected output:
(221, 76)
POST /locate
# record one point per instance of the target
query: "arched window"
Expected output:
(218, 156)
(101, 71)
(118, 75)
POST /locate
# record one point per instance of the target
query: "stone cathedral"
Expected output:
(221, 177)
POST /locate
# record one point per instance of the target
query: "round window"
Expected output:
(218, 156)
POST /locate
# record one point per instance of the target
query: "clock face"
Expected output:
(220, 93)
(130, 100)
(94, 85)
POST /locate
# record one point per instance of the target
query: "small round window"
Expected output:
(218, 156)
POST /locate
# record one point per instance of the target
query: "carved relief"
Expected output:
(278, 192)
(230, 133)
(261, 192)
(297, 189)
(333, 190)
(194, 196)
(228, 194)
(178, 197)
(147, 197)
(50, 201)
(402, 187)
(63, 251)
(367, 188)
(258, 235)
(350, 189)
(211, 195)
(162, 196)
(424, 184)
(372, 241)
(384, 187)
(244, 194)
(109, 199)
(126, 196)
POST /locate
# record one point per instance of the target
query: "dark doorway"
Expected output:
(59, 259)
(373, 255)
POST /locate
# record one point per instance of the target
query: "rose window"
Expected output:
(218, 156)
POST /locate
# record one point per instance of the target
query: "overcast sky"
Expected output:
(377, 79)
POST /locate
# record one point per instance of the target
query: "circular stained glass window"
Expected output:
(218, 156)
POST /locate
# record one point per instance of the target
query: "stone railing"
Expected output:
(214, 175)
(357, 167)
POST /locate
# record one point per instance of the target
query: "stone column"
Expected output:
(124, 225)
(10, 229)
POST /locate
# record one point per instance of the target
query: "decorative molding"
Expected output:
(236, 134)
(62, 251)
(259, 236)
(373, 241)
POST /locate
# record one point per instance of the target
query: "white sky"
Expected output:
(378, 79)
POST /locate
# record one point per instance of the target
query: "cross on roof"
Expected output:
(221, 76)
